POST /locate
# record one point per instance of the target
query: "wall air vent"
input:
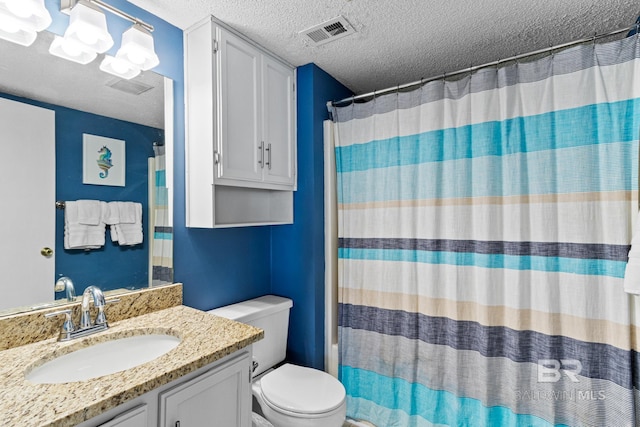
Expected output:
(328, 31)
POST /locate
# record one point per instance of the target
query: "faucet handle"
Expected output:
(67, 325)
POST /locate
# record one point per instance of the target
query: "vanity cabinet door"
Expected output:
(218, 398)
(137, 417)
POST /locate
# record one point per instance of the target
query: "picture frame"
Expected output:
(103, 161)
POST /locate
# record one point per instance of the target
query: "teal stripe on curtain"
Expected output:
(551, 264)
(437, 406)
(583, 169)
(550, 131)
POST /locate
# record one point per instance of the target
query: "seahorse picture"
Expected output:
(103, 160)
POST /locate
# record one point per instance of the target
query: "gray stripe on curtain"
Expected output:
(599, 361)
(468, 374)
(545, 249)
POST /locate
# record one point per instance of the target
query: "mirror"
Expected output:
(87, 101)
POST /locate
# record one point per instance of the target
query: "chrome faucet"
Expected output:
(86, 327)
(65, 284)
(98, 302)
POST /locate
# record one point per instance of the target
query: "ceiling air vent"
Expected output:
(130, 86)
(328, 31)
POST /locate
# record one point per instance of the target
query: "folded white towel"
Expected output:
(89, 211)
(124, 233)
(78, 235)
(112, 213)
(129, 212)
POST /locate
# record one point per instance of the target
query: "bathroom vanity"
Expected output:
(205, 378)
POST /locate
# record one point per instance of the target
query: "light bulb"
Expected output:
(136, 57)
(71, 48)
(120, 66)
(87, 36)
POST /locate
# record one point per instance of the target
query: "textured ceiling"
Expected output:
(402, 41)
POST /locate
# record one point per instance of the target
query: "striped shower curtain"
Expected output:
(162, 242)
(484, 226)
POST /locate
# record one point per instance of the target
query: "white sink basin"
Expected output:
(103, 359)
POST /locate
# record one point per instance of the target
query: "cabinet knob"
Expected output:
(46, 252)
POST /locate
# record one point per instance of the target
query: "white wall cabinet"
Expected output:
(217, 395)
(240, 130)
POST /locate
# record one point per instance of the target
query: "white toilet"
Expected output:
(290, 395)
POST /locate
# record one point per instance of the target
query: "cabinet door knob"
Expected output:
(46, 252)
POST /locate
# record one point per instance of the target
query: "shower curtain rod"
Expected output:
(420, 82)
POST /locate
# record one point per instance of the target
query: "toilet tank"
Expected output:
(269, 313)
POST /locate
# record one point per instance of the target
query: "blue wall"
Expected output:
(112, 266)
(219, 267)
(298, 250)
(96, 267)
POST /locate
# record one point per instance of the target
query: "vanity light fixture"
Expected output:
(71, 50)
(88, 27)
(88, 36)
(137, 48)
(20, 20)
(119, 67)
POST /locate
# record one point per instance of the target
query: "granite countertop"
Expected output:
(205, 339)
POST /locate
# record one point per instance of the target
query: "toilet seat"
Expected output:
(300, 391)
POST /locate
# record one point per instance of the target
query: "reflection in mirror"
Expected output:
(46, 100)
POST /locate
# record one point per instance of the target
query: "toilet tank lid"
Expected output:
(252, 309)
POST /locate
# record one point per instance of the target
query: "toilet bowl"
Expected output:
(288, 395)
(295, 396)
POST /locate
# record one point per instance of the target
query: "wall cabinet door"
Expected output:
(278, 111)
(256, 133)
(218, 398)
(239, 92)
